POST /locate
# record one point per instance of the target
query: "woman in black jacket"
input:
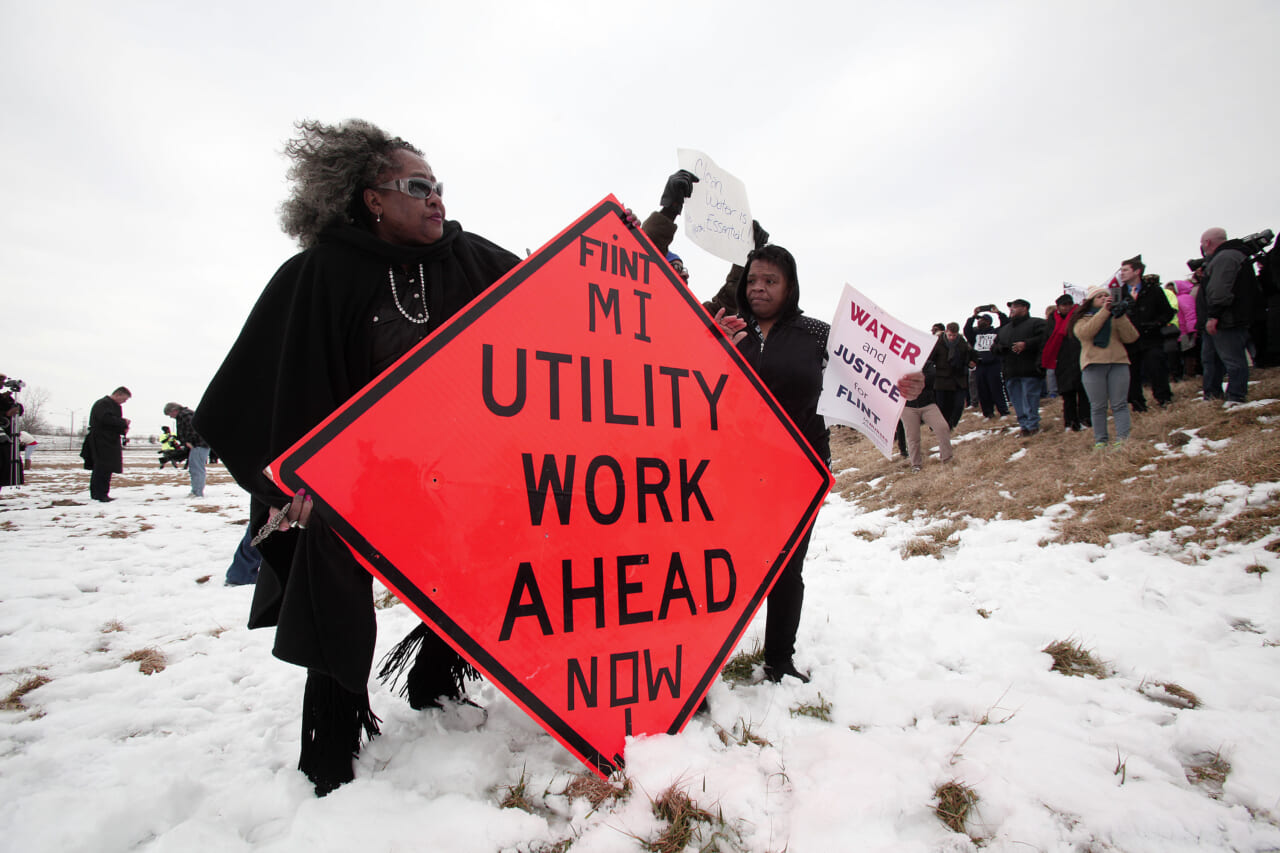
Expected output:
(789, 351)
(381, 268)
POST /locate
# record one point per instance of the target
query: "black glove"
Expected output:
(1119, 309)
(679, 187)
(757, 231)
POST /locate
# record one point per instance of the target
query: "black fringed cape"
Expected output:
(312, 341)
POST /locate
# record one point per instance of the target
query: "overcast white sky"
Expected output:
(936, 155)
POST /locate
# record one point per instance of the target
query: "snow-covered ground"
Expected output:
(932, 669)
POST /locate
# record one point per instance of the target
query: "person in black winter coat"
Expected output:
(981, 336)
(102, 451)
(381, 269)
(789, 352)
(1018, 343)
(1150, 312)
(1224, 309)
(951, 383)
(1075, 402)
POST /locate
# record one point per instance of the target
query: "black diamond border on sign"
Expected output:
(380, 387)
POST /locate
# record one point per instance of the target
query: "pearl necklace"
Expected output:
(422, 282)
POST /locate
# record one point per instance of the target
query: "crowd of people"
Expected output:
(1101, 355)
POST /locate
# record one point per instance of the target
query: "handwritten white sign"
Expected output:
(717, 216)
(868, 351)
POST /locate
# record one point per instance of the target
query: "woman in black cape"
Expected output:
(380, 269)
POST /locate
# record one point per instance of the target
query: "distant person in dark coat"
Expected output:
(951, 382)
(10, 453)
(1150, 312)
(1077, 411)
(102, 450)
(1019, 343)
(1224, 308)
(981, 336)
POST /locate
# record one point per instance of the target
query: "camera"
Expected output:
(14, 384)
(1120, 303)
(1256, 244)
(1195, 264)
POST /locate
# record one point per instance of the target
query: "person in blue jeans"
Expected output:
(197, 447)
(1019, 343)
(245, 562)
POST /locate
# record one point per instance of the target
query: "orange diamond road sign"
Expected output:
(577, 482)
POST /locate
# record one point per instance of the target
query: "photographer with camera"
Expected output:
(1103, 328)
(10, 454)
(1149, 311)
(981, 336)
(1224, 306)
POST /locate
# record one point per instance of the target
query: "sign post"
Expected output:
(578, 483)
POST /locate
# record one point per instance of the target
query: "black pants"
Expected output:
(991, 389)
(1147, 363)
(100, 483)
(951, 404)
(1075, 407)
(782, 613)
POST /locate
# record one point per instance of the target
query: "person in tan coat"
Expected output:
(1104, 362)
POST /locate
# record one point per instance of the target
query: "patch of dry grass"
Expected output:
(150, 660)
(741, 735)
(1209, 771)
(595, 790)
(686, 822)
(1168, 693)
(1070, 658)
(515, 796)
(1138, 488)
(13, 702)
(111, 627)
(955, 800)
(740, 668)
(819, 710)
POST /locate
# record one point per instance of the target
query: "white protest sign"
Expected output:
(717, 216)
(868, 351)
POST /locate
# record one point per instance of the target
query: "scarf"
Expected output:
(1103, 338)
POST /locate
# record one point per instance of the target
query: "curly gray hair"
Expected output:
(332, 166)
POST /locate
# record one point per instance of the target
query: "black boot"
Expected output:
(776, 672)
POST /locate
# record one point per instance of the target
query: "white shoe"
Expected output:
(1231, 404)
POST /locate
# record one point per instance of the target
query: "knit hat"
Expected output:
(1096, 291)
